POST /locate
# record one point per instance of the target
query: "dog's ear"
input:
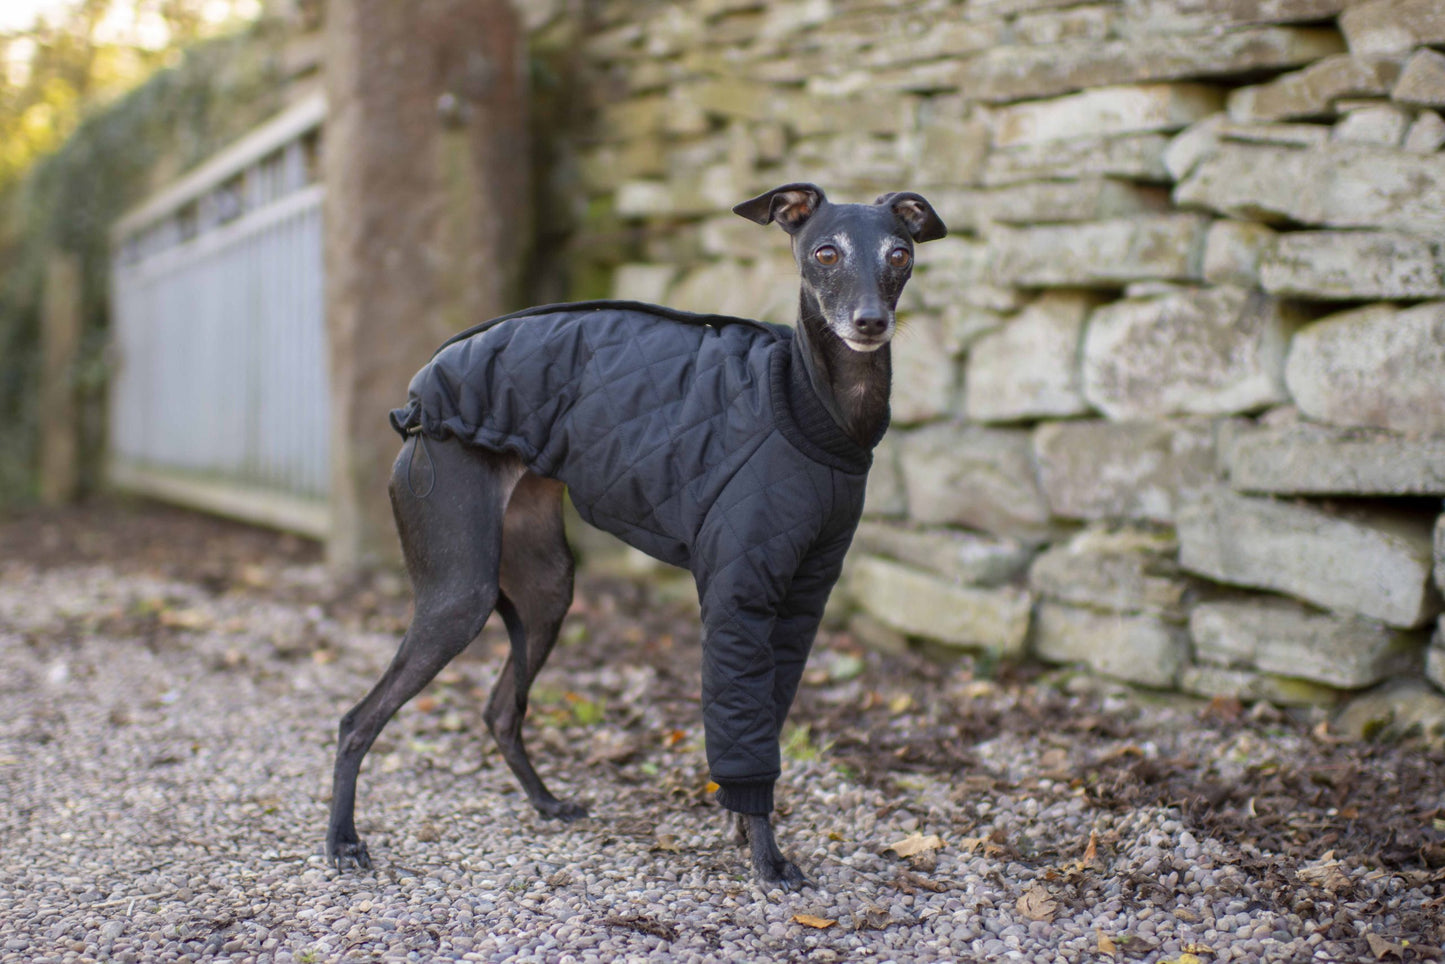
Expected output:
(917, 215)
(790, 205)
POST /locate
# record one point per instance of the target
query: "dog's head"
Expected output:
(854, 258)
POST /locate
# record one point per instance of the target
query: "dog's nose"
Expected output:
(870, 324)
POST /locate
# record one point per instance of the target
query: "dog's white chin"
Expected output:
(864, 345)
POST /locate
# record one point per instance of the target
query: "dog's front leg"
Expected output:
(770, 866)
(741, 726)
(760, 610)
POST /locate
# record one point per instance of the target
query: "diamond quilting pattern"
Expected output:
(670, 433)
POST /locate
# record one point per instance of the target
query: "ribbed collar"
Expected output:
(805, 422)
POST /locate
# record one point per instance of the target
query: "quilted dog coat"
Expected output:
(700, 440)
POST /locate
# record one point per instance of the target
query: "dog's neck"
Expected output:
(852, 385)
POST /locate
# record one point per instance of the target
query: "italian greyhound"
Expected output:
(736, 449)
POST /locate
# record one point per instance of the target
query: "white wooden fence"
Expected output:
(221, 394)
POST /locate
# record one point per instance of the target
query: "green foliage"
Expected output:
(79, 54)
(588, 712)
(68, 200)
(797, 744)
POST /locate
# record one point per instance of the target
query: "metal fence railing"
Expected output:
(221, 397)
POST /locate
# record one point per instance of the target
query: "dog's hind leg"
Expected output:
(536, 580)
(451, 538)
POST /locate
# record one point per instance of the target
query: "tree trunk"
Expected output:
(426, 166)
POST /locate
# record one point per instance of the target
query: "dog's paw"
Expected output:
(348, 853)
(564, 810)
(781, 873)
(770, 867)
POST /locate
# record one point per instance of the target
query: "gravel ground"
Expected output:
(170, 686)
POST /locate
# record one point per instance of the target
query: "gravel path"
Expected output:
(165, 750)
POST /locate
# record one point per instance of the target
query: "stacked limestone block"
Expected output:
(1170, 400)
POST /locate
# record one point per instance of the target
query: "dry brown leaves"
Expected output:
(1326, 873)
(916, 843)
(1037, 904)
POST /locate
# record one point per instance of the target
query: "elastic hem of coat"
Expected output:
(754, 798)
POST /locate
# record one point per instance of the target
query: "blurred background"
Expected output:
(1170, 399)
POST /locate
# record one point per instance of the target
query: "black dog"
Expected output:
(734, 449)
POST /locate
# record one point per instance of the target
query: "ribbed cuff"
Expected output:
(746, 797)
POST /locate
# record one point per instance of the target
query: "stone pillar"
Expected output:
(426, 166)
(60, 324)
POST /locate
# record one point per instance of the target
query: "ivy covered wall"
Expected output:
(67, 202)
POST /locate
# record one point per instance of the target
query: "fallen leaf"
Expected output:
(710, 787)
(906, 878)
(1380, 947)
(610, 746)
(808, 920)
(643, 925)
(1106, 943)
(915, 844)
(257, 577)
(426, 704)
(845, 666)
(1183, 959)
(1123, 751)
(1054, 760)
(977, 689)
(193, 619)
(1325, 873)
(667, 842)
(900, 704)
(874, 917)
(1036, 904)
(971, 844)
(1135, 945)
(1195, 948)
(1227, 709)
(1091, 850)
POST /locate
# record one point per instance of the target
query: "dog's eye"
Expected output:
(826, 255)
(899, 257)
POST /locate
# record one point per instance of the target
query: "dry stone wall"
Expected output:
(1170, 398)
